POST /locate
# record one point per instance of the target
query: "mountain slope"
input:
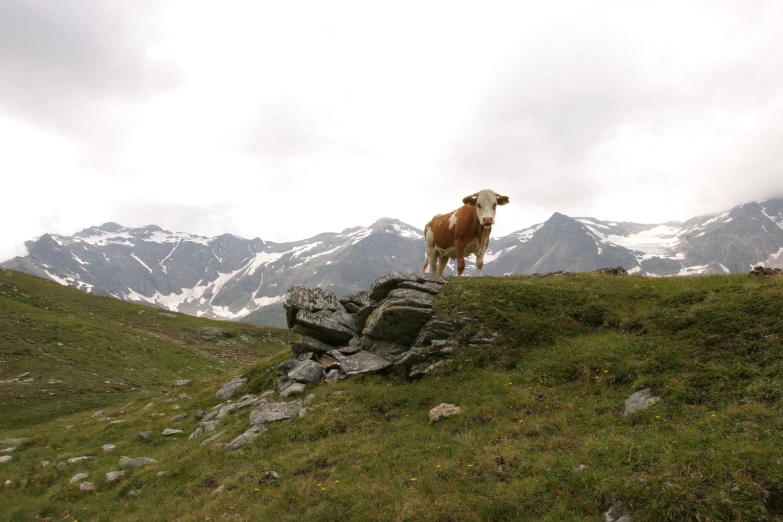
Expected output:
(77, 348)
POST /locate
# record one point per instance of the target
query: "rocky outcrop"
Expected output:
(764, 271)
(390, 326)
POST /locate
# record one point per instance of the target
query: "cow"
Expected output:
(461, 233)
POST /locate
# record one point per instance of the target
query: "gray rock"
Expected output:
(383, 285)
(5, 458)
(134, 492)
(640, 400)
(209, 426)
(108, 447)
(275, 411)
(251, 433)
(214, 437)
(184, 397)
(114, 475)
(61, 464)
(7, 450)
(435, 330)
(398, 322)
(86, 486)
(306, 356)
(179, 417)
(74, 460)
(289, 364)
(335, 375)
(362, 315)
(408, 297)
(359, 299)
(144, 435)
(294, 389)
(45, 463)
(309, 344)
(171, 431)
(180, 382)
(200, 414)
(408, 359)
(363, 362)
(309, 399)
(308, 299)
(231, 387)
(79, 476)
(211, 415)
(328, 327)
(196, 434)
(244, 402)
(429, 287)
(283, 382)
(99, 414)
(307, 371)
(271, 475)
(617, 513)
(303, 412)
(127, 462)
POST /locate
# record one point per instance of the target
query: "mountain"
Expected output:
(224, 277)
(228, 277)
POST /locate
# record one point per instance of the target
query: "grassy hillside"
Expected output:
(78, 351)
(541, 437)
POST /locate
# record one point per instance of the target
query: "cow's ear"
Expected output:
(502, 200)
(470, 200)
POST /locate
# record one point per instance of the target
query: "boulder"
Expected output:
(435, 330)
(127, 462)
(308, 299)
(294, 389)
(114, 475)
(409, 297)
(408, 359)
(363, 314)
(396, 321)
(354, 302)
(444, 410)
(180, 382)
(86, 486)
(244, 402)
(428, 287)
(78, 477)
(231, 387)
(275, 411)
(306, 372)
(251, 433)
(325, 326)
(385, 284)
(171, 431)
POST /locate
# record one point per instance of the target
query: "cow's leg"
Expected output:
(460, 250)
(479, 263)
(432, 253)
(443, 262)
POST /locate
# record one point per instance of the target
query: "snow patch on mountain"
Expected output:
(134, 256)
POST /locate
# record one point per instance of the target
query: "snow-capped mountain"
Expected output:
(230, 277)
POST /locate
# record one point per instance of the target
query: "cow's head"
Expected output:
(486, 202)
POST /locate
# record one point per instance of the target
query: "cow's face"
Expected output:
(486, 202)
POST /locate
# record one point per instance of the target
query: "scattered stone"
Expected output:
(303, 412)
(127, 462)
(178, 417)
(293, 389)
(213, 437)
(70, 426)
(271, 475)
(179, 383)
(114, 475)
(329, 363)
(108, 447)
(134, 492)
(144, 435)
(13, 442)
(245, 401)
(444, 410)
(617, 513)
(5, 458)
(45, 463)
(61, 464)
(78, 459)
(7, 450)
(86, 486)
(78, 477)
(196, 433)
(408, 359)
(171, 431)
(161, 473)
(582, 467)
(184, 397)
(335, 375)
(8, 483)
(275, 411)
(231, 387)
(209, 426)
(199, 414)
(99, 414)
(639, 401)
(310, 344)
(309, 399)
(251, 433)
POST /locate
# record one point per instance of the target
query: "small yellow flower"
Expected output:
(438, 466)
(657, 416)
(257, 489)
(323, 489)
(714, 415)
(470, 465)
(606, 371)
(521, 421)
(230, 507)
(414, 479)
(319, 485)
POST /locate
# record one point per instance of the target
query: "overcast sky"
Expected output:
(281, 120)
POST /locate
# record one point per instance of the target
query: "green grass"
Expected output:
(82, 350)
(543, 401)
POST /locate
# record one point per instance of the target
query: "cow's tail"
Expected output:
(426, 262)
(426, 257)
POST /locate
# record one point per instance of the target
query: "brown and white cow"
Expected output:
(462, 232)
